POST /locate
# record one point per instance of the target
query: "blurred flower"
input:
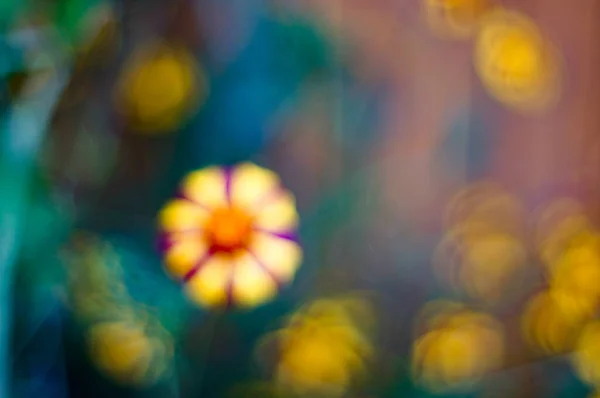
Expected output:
(323, 347)
(159, 87)
(559, 225)
(128, 352)
(455, 18)
(126, 342)
(483, 249)
(586, 358)
(577, 269)
(457, 348)
(485, 206)
(230, 236)
(569, 247)
(553, 320)
(95, 280)
(515, 63)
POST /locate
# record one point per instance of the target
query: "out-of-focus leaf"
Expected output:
(71, 18)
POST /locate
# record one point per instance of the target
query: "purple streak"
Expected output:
(291, 236)
(228, 174)
(196, 268)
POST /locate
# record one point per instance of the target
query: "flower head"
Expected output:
(230, 236)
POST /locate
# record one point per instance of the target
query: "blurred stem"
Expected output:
(21, 138)
(213, 324)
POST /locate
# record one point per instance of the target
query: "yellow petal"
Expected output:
(206, 186)
(282, 257)
(209, 285)
(250, 184)
(180, 214)
(252, 285)
(278, 215)
(184, 255)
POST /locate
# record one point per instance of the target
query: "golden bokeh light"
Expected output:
(559, 225)
(324, 347)
(128, 352)
(577, 269)
(126, 342)
(159, 88)
(484, 206)
(569, 247)
(483, 249)
(456, 348)
(586, 357)
(230, 236)
(455, 19)
(553, 319)
(515, 63)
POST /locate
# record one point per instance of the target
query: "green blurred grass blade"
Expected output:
(22, 134)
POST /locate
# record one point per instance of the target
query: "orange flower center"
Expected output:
(229, 229)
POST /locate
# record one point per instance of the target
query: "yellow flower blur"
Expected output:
(553, 320)
(323, 347)
(515, 63)
(159, 87)
(586, 358)
(577, 269)
(230, 236)
(483, 249)
(127, 353)
(561, 224)
(569, 246)
(125, 342)
(458, 347)
(455, 18)
(95, 280)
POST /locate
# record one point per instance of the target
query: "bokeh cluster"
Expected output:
(299, 198)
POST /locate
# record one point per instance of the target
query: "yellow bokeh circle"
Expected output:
(586, 358)
(127, 353)
(454, 19)
(515, 63)
(456, 348)
(324, 347)
(159, 88)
